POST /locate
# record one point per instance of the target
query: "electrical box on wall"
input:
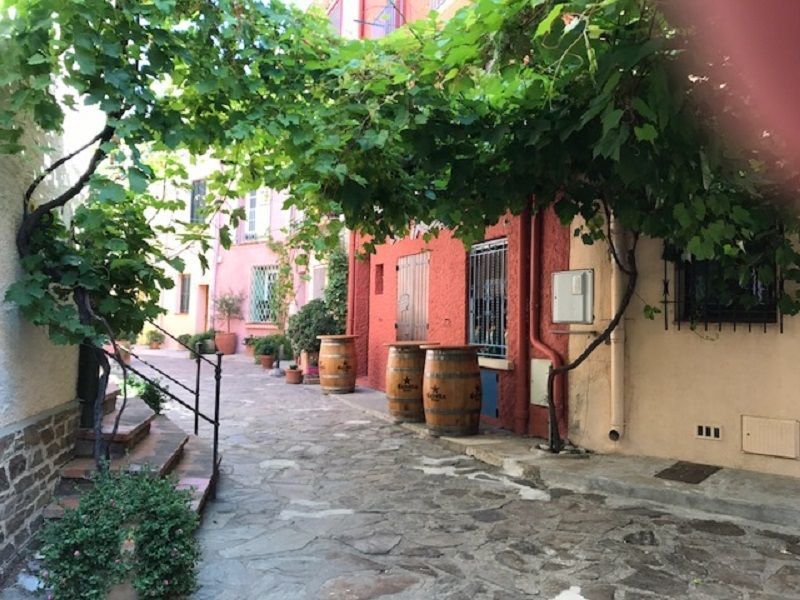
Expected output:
(573, 296)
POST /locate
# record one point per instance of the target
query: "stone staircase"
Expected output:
(144, 440)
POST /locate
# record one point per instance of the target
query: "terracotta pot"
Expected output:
(225, 342)
(155, 345)
(267, 361)
(248, 350)
(294, 376)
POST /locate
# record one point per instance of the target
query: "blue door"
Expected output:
(489, 380)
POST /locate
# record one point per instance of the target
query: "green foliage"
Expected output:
(153, 396)
(281, 291)
(206, 341)
(271, 344)
(130, 525)
(313, 319)
(154, 336)
(336, 290)
(185, 338)
(228, 306)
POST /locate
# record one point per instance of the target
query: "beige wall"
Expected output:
(35, 375)
(675, 380)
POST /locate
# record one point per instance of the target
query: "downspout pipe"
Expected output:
(351, 286)
(617, 341)
(522, 405)
(534, 329)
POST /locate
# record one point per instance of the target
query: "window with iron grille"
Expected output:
(488, 297)
(261, 281)
(708, 294)
(185, 293)
(196, 202)
(389, 18)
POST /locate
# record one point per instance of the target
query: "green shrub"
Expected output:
(153, 396)
(310, 321)
(206, 341)
(336, 290)
(154, 336)
(129, 526)
(185, 338)
(264, 346)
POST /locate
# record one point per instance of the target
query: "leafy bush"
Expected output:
(336, 290)
(271, 344)
(206, 341)
(154, 336)
(185, 338)
(153, 396)
(128, 526)
(310, 321)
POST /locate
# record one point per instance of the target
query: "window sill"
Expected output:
(497, 364)
(259, 325)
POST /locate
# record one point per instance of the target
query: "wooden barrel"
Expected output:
(404, 369)
(337, 364)
(451, 390)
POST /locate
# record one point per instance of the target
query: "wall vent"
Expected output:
(773, 437)
(708, 432)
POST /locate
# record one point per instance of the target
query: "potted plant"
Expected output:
(206, 341)
(227, 307)
(312, 320)
(155, 338)
(293, 374)
(249, 344)
(264, 349)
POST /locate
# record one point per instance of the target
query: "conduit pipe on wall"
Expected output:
(617, 341)
(522, 405)
(534, 327)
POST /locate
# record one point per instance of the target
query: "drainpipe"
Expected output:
(535, 323)
(351, 286)
(617, 340)
(522, 405)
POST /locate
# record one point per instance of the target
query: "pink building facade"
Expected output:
(249, 266)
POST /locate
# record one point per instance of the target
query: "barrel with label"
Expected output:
(337, 364)
(451, 390)
(404, 369)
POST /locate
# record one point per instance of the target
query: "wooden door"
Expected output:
(412, 297)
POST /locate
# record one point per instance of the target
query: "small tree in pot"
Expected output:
(265, 351)
(227, 308)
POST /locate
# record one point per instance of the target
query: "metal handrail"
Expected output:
(198, 414)
(189, 348)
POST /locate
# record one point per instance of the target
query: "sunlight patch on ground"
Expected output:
(573, 593)
(286, 515)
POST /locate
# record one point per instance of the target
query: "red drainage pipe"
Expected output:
(534, 328)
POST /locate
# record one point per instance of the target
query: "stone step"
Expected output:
(194, 471)
(110, 402)
(134, 425)
(160, 451)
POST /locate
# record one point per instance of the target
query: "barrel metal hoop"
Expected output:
(428, 375)
(452, 411)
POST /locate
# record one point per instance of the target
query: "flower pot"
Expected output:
(155, 345)
(267, 361)
(249, 350)
(294, 376)
(225, 342)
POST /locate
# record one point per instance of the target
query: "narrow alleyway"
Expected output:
(319, 501)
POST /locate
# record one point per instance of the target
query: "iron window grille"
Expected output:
(488, 297)
(196, 201)
(185, 293)
(703, 296)
(261, 283)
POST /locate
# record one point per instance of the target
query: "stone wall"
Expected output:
(31, 454)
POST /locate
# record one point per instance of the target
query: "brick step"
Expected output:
(160, 450)
(133, 427)
(194, 471)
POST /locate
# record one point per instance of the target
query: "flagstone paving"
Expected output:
(319, 501)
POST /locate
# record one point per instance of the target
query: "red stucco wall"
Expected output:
(375, 313)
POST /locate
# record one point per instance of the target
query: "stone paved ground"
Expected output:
(318, 501)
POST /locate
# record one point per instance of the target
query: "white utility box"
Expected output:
(573, 296)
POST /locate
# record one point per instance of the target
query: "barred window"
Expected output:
(185, 292)
(488, 297)
(707, 294)
(261, 281)
(196, 202)
(387, 19)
